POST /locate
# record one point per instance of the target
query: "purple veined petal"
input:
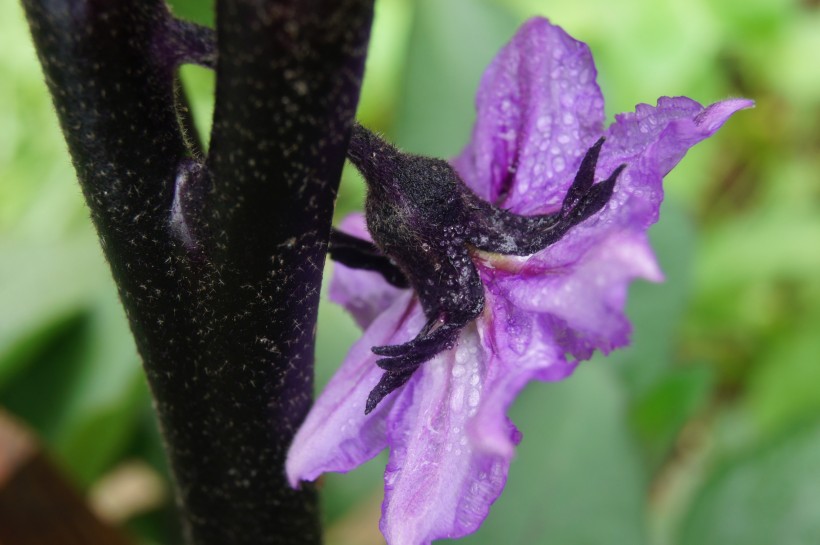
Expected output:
(337, 435)
(364, 294)
(713, 117)
(583, 302)
(437, 485)
(520, 350)
(650, 141)
(539, 108)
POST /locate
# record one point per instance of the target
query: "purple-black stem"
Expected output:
(218, 261)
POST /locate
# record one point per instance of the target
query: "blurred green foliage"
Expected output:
(706, 430)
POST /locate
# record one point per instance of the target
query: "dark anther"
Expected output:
(423, 219)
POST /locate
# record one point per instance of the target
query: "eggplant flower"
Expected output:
(519, 264)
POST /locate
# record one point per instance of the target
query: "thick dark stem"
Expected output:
(218, 265)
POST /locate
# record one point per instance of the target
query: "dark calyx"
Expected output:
(423, 220)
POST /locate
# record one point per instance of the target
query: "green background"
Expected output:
(705, 431)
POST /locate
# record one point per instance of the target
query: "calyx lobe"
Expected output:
(424, 220)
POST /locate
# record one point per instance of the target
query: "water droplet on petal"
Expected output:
(457, 401)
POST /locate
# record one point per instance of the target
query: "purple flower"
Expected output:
(539, 111)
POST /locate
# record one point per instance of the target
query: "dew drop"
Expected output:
(457, 401)
(461, 357)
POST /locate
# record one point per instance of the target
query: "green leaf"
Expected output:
(341, 493)
(193, 10)
(68, 365)
(199, 84)
(451, 44)
(656, 310)
(95, 439)
(770, 496)
(41, 287)
(39, 393)
(101, 412)
(783, 388)
(662, 411)
(577, 478)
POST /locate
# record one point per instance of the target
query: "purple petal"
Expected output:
(650, 141)
(713, 117)
(437, 484)
(580, 282)
(364, 294)
(520, 351)
(337, 435)
(538, 106)
(583, 302)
